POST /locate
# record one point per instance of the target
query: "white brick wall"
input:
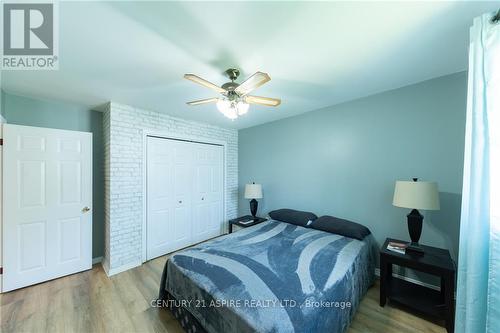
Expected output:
(123, 138)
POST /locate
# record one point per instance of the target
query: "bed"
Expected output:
(272, 277)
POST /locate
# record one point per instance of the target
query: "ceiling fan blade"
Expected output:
(263, 100)
(205, 83)
(203, 101)
(252, 83)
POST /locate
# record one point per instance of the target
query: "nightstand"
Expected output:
(238, 221)
(435, 261)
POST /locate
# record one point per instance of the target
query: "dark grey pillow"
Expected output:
(296, 217)
(341, 227)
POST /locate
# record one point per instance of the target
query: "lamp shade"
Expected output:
(416, 195)
(253, 191)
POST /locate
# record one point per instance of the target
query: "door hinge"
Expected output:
(1, 270)
(1, 142)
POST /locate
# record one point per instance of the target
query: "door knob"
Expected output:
(180, 201)
(202, 198)
(85, 209)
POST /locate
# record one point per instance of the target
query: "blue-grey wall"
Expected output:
(55, 114)
(1, 101)
(343, 160)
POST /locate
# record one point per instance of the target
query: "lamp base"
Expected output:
(414, 248)
(415, 221)
(253, 207)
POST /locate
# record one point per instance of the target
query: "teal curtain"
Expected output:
(478, 286)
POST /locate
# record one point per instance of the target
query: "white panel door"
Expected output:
(47, 204)
(184, 194)
(168, 196)
(182, 226)
(208, 192)
(159, 183)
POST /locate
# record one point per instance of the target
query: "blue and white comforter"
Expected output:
(273, 277)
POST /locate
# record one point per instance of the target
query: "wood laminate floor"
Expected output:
(92, 302)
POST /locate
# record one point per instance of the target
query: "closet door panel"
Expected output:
(201, 182)
(216, 218)
(216, 160)
(160, 200)
(182, 193)
(207, 192)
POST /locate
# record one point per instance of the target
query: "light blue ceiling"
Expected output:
(317, 54)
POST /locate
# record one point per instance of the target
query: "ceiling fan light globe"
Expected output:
(223, 105)
(231, 113)
(242, 108)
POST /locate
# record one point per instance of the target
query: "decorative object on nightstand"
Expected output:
(253, 191)
(397, 247)
(245, 221)
(431, 302)
(416, 195)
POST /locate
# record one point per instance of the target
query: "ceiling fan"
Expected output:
(235, 100)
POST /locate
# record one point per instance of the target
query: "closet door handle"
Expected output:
(180, 201)
(202, 198)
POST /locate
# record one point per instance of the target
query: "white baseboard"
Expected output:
(96, 260)
(123, 268)
(402, 277)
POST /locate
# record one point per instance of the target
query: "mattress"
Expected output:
(272, 277)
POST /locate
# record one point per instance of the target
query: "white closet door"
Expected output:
(182, 226)
(168, 196)
(207, 192)
(184, 194)
(47, 227)
(160, 165)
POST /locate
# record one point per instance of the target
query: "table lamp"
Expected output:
(253, 191)
(416, 195)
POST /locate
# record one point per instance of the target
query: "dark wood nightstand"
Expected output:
(435, 261)
(238, 221)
